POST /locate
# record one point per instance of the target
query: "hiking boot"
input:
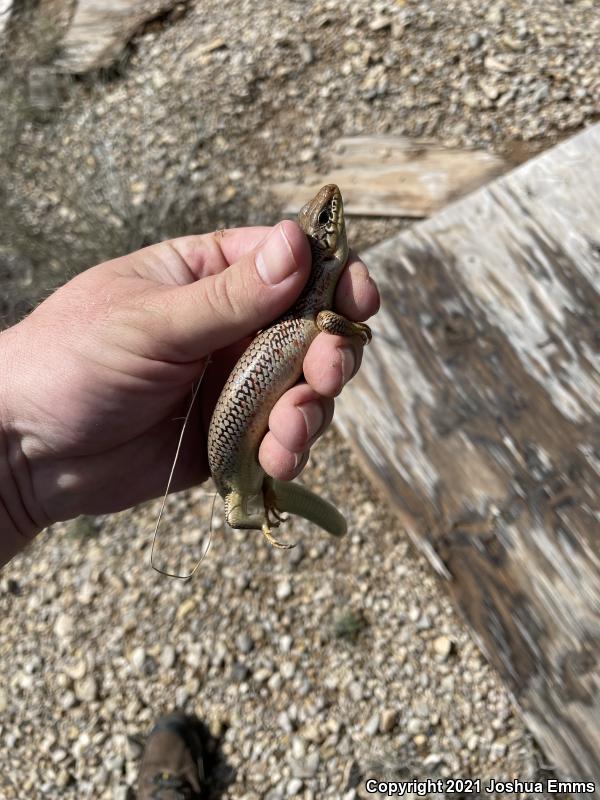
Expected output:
(172, 767)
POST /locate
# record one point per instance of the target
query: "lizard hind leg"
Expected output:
(270, 501)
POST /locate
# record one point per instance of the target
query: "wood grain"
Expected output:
(100, 29)
(394, 176)
(476, 411)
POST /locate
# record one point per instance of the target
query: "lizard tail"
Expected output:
(294, 498)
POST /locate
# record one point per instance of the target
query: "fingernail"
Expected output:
(275, 260)
(313, 417)
(348, 363)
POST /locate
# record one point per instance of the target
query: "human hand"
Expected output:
(97, 378)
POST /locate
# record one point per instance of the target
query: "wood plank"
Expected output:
(476, 412)
(100, 29)
(394, 176)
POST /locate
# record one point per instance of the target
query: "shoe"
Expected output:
(172, 766)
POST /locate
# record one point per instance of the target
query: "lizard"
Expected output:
(271, 365)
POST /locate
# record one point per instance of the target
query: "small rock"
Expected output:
(305, 767)
(262, 675)
(389, 717)
(58, 755)
(431, 761)
(495, 15)
(275, 682)
(380, 23)
(186, 608)
(239, 672)
(3, 700)
(287, 669)
(414, 726)
(355, 691)
(494, 64)
(86, 593)
(285, 643)
(167, 656)
(284, 722)
(306, 53)
(86, 690)
(138, 658)
(498, 750)
(63, 627)
(67, 700)
(219, 655)
(443, 646)
(77, 670)
(372, 725)
(284, 590)
(472, 99)
(63, 779)
(244, 643)
(298, 748)
(294, 787)
(296, 554)
(181, 696)
(474, 40)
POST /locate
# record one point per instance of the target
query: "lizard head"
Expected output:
(322, 220)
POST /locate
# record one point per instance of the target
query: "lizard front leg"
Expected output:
(330, 322)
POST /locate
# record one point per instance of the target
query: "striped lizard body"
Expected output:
(269, 367)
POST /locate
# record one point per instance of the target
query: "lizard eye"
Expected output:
(324, 217)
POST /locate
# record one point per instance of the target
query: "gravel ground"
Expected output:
(313, 668)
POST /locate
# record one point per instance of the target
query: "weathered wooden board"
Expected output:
(100, 29)
(394, 176)
(476, 411)
(5, 11)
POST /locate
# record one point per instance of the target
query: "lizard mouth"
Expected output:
(322, 218)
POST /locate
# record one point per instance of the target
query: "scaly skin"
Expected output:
(269, 367)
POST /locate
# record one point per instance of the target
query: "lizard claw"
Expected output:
(272, 541)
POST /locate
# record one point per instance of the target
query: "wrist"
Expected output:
(20, 517)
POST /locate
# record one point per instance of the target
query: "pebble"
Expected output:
(498, 750)
(355, 691)
(474, 40)
(284, 590)
(186, 608)
(262, 675)
(288, 670)
(63, 626)
(389, 717)
(414, 726)
(284, 722)
(372, 725)
(294, 787)
(77, 670)
(67, 700)
(239, 672)
(86, 690)
(167, 656)
(442, 646)
(138, 658)
(244, 643)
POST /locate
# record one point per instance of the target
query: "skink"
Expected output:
(269, 367)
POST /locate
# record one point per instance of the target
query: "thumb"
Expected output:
(220, 309)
